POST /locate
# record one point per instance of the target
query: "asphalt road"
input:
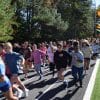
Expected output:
(51, 89)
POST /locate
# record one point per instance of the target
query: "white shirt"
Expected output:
(87, 51)
(50, 54)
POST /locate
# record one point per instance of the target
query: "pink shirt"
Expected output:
(43, 49)
(37, 56)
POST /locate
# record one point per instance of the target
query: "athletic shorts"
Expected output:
(87, 59)
(10, 75)
(60, 67)
(6, 87)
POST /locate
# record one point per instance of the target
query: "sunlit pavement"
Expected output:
(50, 89)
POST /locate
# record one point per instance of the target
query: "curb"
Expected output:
(88, 92)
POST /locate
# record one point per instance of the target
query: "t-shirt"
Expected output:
(50, 54)
(2, 73)
(77, 56)
(12, 60)
(96, 48)
(87, 51)
(36, 56)
(43, 49)
(62, 58)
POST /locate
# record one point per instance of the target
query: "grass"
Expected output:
(96, 89)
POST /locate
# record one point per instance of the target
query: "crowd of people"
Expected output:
(58, 55)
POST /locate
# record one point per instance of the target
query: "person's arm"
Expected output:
(91, 51)
(2, 72)
(2, 79)
(69, 59)
(55, 57)
(42, 52)
(22, 60)
(79, 60)
(31, 59)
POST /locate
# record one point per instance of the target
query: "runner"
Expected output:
(62, 59)
(5, 85)
(96, 48)
(36, 57)
(26, 52)
(50, 53)
(77, 64)
(43, 49)
(87, 51)
(14, 61)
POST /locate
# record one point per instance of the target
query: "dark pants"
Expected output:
(52, 68)
(77, 73)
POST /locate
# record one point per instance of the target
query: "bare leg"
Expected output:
(16, 79)
(60, 74)
(9, 95)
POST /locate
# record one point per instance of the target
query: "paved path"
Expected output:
(50, 89)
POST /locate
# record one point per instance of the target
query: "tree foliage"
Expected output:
(39, 19)
(79, 15)
(6, 21)
(98, 8)
(46, 19)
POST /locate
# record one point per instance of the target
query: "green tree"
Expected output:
(98, 8)
(37, 20)
(79, 15)
(98, 20)
(6, 21)
(53, 19)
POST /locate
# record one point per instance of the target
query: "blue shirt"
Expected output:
(2, 73)
(77, 56)
(12, 60)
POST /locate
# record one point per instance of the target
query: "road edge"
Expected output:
(89, 89)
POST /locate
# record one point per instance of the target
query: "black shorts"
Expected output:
(10, 75)
(52, 66)
(87, 59)
(60, 67)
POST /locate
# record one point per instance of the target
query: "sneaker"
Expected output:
(42, 78)
(26, 92)
(81, 83)
(58, 81)
(75, 82)
(39, 78)
(65, 82)
(66, 89)
(76, 85)
(19, 93)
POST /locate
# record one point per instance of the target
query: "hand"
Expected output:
(2, 79)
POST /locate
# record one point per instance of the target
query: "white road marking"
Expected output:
(50, 87)
(88, 93)
(46, 91)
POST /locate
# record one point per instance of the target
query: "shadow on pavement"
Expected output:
(41, 84)
(68, 95)
(50, 94)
